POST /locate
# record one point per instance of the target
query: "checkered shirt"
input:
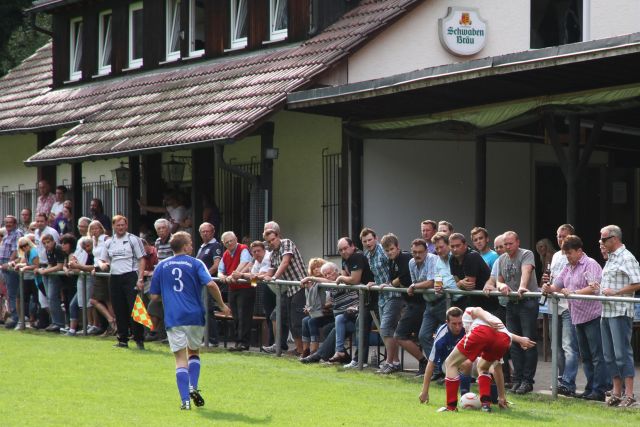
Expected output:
(621, 269)
(9, 245)
(379, 264)
(574, 278)
(295, 270)
(424, 272)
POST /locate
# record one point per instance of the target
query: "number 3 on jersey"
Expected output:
(177, 276)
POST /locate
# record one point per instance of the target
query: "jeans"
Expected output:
(345, 324)
(616, 345)
(367, 330)
(53, 285)
(390, 311)
(590, 344)
(434, 316)
(242, 302)
(12, 280)
(570, 351)
(311, 327)
(522, 319)
(328, 346)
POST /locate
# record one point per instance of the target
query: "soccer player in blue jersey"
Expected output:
(179, 281)
(446, 338)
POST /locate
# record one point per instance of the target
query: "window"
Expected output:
(555, 22)
(173, 29)
(278, 19)
(239, 23)
(196, 27)
(331, 201)
(135, 35)
(104, 42)
(75, 49)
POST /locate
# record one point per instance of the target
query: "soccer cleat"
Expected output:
(445, 409)
(486, 408)
(390, 369)
(195, 395)
(186, 406)
(121, 344)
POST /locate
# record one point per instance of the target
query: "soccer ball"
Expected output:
(470, 401)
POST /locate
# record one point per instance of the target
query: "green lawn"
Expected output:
(55, 380)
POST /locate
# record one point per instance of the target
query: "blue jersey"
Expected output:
(443, 344)
(179, 280)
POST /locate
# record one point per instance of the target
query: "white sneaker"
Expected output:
(270, 349)
(18, 326)
(351, 365)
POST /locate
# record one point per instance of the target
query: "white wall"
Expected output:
(614, 17)
(406, 182)
(297, 175)
(413, 43)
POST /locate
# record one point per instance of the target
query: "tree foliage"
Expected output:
(18, 39)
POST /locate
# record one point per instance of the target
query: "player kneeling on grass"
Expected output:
(179, 281)
(487, 338)
(446, 338)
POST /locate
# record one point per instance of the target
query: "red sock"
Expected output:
(451, 386)
(484, 387)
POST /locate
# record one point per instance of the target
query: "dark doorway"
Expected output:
(551, 206)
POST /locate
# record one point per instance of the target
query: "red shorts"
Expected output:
(485, 342)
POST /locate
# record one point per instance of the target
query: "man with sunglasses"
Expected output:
(620, 278)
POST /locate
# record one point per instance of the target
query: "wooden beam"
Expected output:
(481, 181)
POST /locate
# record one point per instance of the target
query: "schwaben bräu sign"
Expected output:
(462, 31)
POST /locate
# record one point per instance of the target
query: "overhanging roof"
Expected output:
(187, 106)
(462, 91)
(42, 5)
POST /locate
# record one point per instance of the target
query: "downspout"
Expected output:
(39, 29)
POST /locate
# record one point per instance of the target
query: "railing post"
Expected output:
(554, 346)
(21, 324)
(278, 331)
(84, 303)
(205, 301)
(362, 311)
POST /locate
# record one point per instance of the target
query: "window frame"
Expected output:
(104, 69)
(172, 19)
(192, 30)
(137, 62)
(276, 35)
(75, 48)
(242, 42)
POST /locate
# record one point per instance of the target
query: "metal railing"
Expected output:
(114, 199)
(553, 298)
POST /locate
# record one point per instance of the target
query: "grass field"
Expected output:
(54, 380)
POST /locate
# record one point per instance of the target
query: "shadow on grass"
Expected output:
(233, 417)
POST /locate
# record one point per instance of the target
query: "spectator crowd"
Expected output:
(321, 321)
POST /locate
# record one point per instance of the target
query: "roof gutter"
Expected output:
(128, 153)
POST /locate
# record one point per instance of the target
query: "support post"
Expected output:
(278, 332)
(554, 346)
(134, 194)
(84, 303)
(362, 314)
(266, 165)
(481, 181)
(21, 323)
(76, 187)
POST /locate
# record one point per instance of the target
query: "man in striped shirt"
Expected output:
(580, 277)
(620, 278)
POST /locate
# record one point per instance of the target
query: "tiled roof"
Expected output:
(218, 100)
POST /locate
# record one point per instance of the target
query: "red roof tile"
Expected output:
(218, 100)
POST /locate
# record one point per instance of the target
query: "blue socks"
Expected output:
(182, 378)
(194, 371)
(465, 384)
